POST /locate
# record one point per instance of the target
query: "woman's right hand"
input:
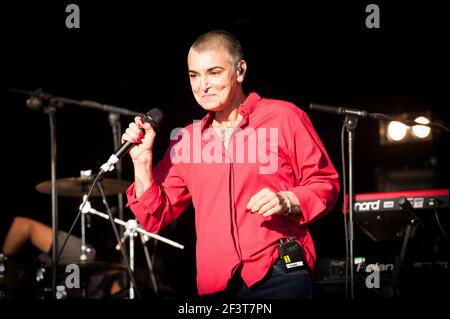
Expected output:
(142, 151)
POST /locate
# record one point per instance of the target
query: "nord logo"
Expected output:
(367, 206)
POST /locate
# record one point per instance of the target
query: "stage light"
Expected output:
(396, 131)
(401, 130)
(421, 131)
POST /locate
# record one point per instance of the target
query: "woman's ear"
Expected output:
(242, 67)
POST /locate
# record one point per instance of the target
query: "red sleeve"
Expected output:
(315, 176)
(164, 200)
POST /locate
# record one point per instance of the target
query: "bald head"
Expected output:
(219, 40)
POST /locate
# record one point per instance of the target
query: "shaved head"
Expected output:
(219, 39)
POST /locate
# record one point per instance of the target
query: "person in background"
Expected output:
(24, 230)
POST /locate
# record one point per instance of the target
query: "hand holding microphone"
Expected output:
(138, 139)
(141, 135)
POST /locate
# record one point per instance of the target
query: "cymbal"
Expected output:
(78, 186)
(90, 268)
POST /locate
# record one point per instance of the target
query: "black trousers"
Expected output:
(277, 284)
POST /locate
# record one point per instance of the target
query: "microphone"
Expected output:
(154, 117)
(37, 99)
(34, 103)
(338, 110)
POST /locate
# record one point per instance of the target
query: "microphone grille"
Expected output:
(154, 117)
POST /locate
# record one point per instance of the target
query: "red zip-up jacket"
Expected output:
(274, 146)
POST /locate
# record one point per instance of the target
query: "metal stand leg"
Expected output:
(144, 240)
(410, 228)
(132, 228)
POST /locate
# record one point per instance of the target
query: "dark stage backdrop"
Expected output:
(134, 56)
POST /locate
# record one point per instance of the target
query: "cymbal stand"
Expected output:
(114, 121)
(131, 232)
(84, 248)
(144, 239)
(85, 207)
(132, 228)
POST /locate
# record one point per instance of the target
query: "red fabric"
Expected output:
(228, 236)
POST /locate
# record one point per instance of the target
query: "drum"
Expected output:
(31, 279)
(20, 278)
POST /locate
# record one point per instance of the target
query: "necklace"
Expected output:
(225, 130)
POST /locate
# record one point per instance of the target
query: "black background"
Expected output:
(133, 55)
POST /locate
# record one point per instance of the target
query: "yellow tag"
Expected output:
(287, 259)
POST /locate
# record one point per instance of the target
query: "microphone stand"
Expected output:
(39, 94)
(51, 110)
(350, 123)
(37, 99)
